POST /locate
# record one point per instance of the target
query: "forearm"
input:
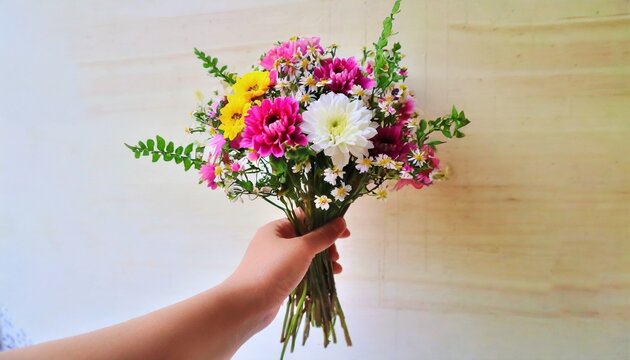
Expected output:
(211, 325)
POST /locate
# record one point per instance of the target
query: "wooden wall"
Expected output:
(523, 254)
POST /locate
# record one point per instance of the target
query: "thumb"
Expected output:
(321, 238)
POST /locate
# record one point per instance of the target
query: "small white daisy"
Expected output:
(385, 161)
(322, 202)
(363, 164)
(419, 157)
(331, 175)
(341, 192)
(308, 82)
(357, 90)
(303, 96)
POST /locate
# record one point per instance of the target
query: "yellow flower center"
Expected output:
(337, 124)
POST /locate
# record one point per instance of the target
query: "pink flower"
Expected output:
(289, 49)
(391, 141)
(434, 162)
(213, 149)
(208, 174)
(342, 73)
(419, 181)
(271, 126)
(406, 109)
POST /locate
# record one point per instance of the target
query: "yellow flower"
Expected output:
(252, 85)
(233, 116)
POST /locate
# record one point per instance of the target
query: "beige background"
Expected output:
(524, 254)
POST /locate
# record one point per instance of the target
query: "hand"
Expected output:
(215, 323)
(276, 260)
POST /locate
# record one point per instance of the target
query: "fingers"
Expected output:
(336, 268)
(334, 254)
(323, 237)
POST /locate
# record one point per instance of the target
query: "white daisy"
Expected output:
(385, 161)
(322, 202)
(331, 175)
(303, 96)
(363, 164)
(357, 90)
(419, 157)
(308, 82)
(340, 193)
(339, 127)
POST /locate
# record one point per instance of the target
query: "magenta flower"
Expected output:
(271, 126)
(208, 174)
(391, 141)
(342, 73)
(286, 51)
(406, 109)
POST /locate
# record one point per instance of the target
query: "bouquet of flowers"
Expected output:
(310, 132)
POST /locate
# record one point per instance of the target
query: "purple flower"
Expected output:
(342, 73)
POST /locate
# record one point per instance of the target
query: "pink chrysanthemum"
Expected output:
(271, 126)
(286, 51)
(208, 174)
(342, 73)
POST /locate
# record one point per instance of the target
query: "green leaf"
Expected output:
(155, 157)
(178, 159)
(279, 166)
(247, 185)
(141, 145)
(179, 150)
(170, 147)
(454, 113)
(168, 157)
(187, 163)
(137, 154)
(423, 125)
(150, 144)
(447, 133)
(160, 142)
(433, 143)
(188, 149)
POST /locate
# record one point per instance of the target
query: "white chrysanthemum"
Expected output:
(339, 127)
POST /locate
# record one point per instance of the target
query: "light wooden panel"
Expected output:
(523, 254)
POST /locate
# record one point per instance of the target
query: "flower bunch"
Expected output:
(310, 132)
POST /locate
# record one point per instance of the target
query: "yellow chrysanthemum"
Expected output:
(233, 116)
(252, 85)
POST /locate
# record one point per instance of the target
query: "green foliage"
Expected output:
(449, 125)
(160, 149)
(299, 154)
(386, 62)
(212, 65)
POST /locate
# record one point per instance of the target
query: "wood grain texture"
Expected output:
(523, 254)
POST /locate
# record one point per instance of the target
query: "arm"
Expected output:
(215, 323)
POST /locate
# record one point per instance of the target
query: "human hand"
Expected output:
(276, 261)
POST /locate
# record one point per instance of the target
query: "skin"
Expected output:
(216, 322)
